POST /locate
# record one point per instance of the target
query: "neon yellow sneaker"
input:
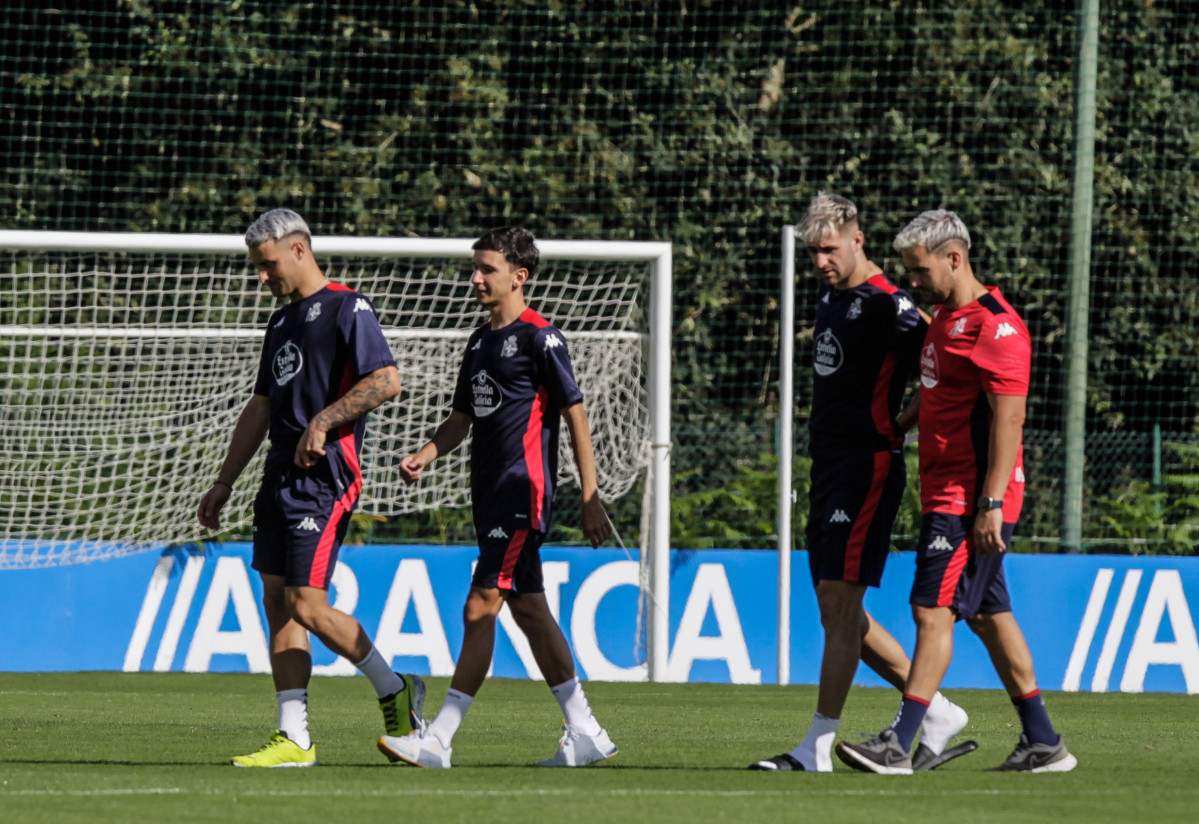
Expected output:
(280, 751)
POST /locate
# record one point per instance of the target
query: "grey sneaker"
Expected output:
(925, 759)
(1038, 758)
(881, 754)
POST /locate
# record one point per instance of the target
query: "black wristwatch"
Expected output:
(985, 503)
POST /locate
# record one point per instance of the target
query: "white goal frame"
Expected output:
(655, 539)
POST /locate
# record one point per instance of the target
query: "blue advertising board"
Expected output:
(1094, 623)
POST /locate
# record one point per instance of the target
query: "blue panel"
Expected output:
(1094, 623)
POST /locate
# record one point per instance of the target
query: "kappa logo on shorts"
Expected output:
(839, 517)
(308, 525)
(498, 532)
(940, 544)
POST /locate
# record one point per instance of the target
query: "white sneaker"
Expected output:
(578, 750)
(943, 721)
(419, 747)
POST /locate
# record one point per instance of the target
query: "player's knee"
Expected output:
(981, 625)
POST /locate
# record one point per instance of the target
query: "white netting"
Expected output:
(122, 375)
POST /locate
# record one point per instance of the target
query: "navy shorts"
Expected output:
(510, 559)
(949, 573)
(301, 517)
(852, 506)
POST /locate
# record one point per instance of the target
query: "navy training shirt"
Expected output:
(514, 383)
(866, 346)
(314, 351)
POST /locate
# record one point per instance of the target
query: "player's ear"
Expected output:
(520, 276)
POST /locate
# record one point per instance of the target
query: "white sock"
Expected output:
(293, 716)
(450, 716)
(815, 752)
(575, 707)
(942, 722)
(381, 677)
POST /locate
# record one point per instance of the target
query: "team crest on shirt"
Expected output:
(287, 363)
(313, 313)
(958, 328)
(855, 310)
(828, 354)
(509, 347)
(487, 396)
(930, 375)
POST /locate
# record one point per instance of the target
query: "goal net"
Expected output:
(125, 360)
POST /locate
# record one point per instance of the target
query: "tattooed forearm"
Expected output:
(370, 391)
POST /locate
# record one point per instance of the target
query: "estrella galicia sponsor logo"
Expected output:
(828, 354)
(929, 374)
(940, 544)
(1003, 330)
(287, 363)
(313, 313)
(509, 348)
(498, 532)
(487, 395)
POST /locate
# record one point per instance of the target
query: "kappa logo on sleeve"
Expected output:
(1003, 330)
(362, 305)
(553, 342)
(903, 306)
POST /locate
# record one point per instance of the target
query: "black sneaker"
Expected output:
(779, 763)
(881, 754)
(1038, 758)
(926, 759)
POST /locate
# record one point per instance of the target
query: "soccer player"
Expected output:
(324, 365)
(867, 342)
(974, 375)
(514, 386)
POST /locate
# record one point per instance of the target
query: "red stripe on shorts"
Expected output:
(510, 557)
(861, 524)
(953, 574)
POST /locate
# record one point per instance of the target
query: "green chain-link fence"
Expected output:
(706, 123)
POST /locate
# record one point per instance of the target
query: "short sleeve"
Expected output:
(1003, 354)
(462, 401)
(909, 329)
(361, 330)
(554, 368)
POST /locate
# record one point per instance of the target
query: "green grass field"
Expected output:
(155, 747)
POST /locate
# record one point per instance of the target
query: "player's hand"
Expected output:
(211, 504)
(596, 526)
(988, 532)
(411, 468)
(311, 447)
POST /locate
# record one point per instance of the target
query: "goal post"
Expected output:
(125, 359)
